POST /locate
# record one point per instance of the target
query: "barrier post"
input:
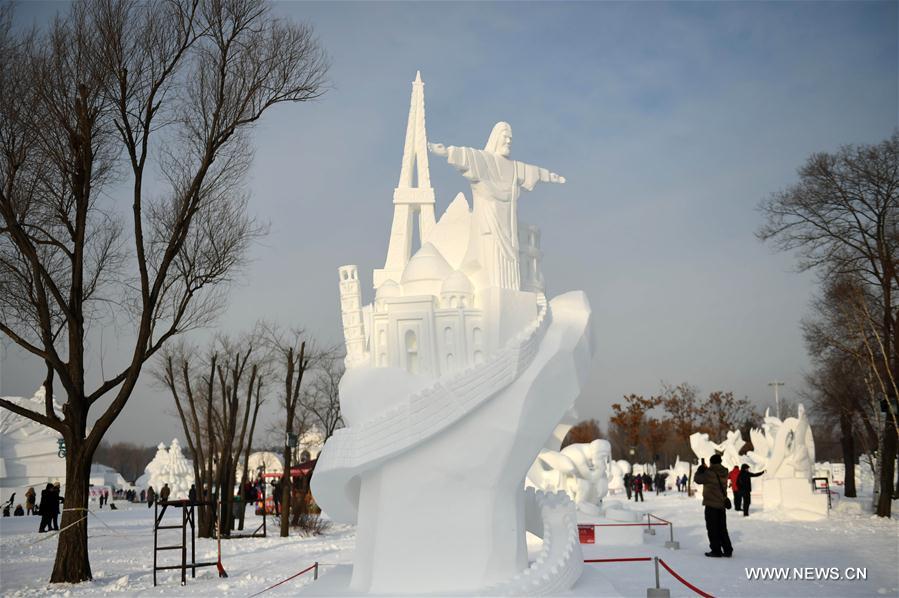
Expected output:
(315, 572)
(657, 592)
(671, 543)
(649, 529)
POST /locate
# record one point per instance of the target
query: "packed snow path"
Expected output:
(121, 557)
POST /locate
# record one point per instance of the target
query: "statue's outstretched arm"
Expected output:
(438, 149)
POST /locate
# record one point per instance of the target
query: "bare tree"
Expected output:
(112, 93)
(583, 432)
(293, 359)
(841, 218)
(320, 400)
(216, 397)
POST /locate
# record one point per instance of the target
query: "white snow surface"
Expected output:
(122, 557)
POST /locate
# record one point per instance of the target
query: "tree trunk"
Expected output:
(285, 493)
(887, 467)
(847, 441)
(72, 560)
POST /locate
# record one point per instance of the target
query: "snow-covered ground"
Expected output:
(122, 557)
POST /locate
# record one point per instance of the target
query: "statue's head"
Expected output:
(500, 140)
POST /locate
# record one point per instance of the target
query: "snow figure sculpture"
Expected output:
(580, 470)
(729, 449)
(459, 356)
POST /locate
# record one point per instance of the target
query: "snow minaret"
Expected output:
(413, 196)
(351, 312)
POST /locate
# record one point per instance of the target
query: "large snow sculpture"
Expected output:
(29, 451)
(459, 356)
(580, 470)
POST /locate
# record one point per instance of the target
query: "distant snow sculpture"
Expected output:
(460, 355)
(169, 466)
(580, 470)
(617, 469)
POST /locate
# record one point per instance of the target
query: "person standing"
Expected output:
(151, 497)
(744, 482)
(683, 483)
(658, 483)
(30, 496)
(628, 481)
(46, 499)
(638, 488)
(713, 479)
(164, 493)
(732, 481)
(647, 481)
(192, 494)
(54, 507)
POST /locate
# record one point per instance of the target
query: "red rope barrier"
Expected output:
(306, 570)
(621, 524)
(684, 581)
(625, 560)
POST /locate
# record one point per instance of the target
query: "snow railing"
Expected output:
(657, 591)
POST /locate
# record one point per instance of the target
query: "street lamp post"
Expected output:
(777, 384)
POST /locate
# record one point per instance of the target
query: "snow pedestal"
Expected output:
(794, 497)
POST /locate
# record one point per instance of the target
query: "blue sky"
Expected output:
(671, 121)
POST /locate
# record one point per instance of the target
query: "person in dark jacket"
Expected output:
(151, 496)
(744, 484)
(46, 497)
(713, 479)
(54, 507)
(192, 494)
(647, 482)
(628, 481)
(638, 488)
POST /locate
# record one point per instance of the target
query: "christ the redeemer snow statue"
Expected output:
(496, 182)
(458, 373)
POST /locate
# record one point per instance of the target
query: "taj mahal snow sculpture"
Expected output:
(459, 356)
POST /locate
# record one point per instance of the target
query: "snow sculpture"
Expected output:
(787, 485)
(580, 470)
(169, 466)
(460, 355)
(617, 469)
(676, 471)
(29, 451)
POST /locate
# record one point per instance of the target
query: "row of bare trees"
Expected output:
(218, 392)
(124, 148)
(659, 427)
(841, 218)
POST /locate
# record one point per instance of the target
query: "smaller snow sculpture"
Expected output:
(617, 469)
(676, 471)
(729, 449)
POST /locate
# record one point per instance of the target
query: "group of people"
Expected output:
(634, 485)
(681, 482)
(714, 479)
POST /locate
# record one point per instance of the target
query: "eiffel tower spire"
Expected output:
(413, 196)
